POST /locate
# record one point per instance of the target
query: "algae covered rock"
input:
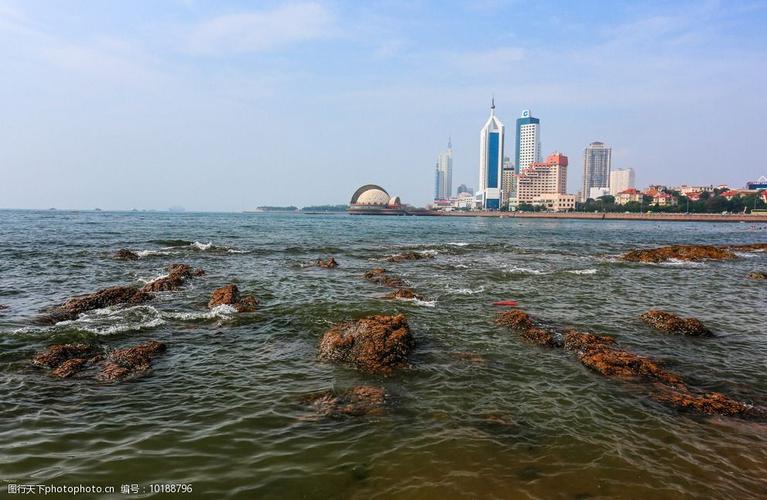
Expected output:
(693, 253)
(230, 295)
(376, 344)
(672, 323)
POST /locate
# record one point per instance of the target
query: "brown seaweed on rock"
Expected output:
(756, 275)
(694, 253)
(515, 319)
(710, 403)
(177, 274)
(230, 295)
(329, 263)
(376, 344)
(403, 294)
(621, 364)
(379, 275)
(130, 361)
(355, 402)
(66, 359)
(406, 256)
(582, 341)
(672, 323)
(107, 297)
(125, 254)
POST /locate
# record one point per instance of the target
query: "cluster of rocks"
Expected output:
(380, 276)
(375, 344)
(329, 263)
(671, 323)
(66, 360)
(692, 253)
(230, 295)
(602, 355)
(406, 256)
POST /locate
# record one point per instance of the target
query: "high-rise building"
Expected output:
(443, 177)
(528, 141)
(491, 142)
(507, 181)
(539, 178)
(621, 180)
(596, 168)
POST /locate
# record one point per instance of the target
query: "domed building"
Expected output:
(374, 200)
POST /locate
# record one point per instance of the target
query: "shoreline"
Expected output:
(662, 217)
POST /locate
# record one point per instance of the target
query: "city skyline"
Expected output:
(187, 103)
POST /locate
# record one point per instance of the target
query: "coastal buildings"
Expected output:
(443, 175)
(627, 196)
(555, 202)
(760, 183)
(463, 188)
(598, 192)
(491, 147)
(543, 178)
(621, 180)
(596, 168)
(528, 145)
(507, 181)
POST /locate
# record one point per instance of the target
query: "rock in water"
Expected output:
(329, 263)
(405, 256)
(177, 274)
(107, 297)
(515, 319)
(403, 294)
(125, 254)
(539, 336)
(357, 401)
(748, 247)
(376, 344)
(757, 275)
(3, 307)
(582, 342)
(710, 403)
(672, 323)
(66, 359)
(621, 364)
(380, 276)
(230, 295)
(693, 253)
(130, 361)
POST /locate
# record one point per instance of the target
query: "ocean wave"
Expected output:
(747, 255)
(110, 320)
(582, 271)
(223, 312)
(459, 243)
(419, 302)
(148, 253)
(202, 246)
(467, 291)
(523, 270)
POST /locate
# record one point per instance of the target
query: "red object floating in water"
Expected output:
(505, 303)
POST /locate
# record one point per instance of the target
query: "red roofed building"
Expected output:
(664, 200)
(628, 195)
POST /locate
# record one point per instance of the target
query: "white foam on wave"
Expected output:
(467, 291)
(234, 250)
(681, 263)
(109, 320)
(223, 311)
(147, 253)
(422, 303)
(523, 270)
(747, 255)
(459, 243)
(202, 246)
(582, 271)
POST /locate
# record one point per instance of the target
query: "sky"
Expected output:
(230, 105)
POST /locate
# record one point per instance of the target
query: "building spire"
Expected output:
(492, 106)
(449, 142)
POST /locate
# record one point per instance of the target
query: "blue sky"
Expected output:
(230, 105)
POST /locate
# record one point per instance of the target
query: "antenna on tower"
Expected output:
(492, 102)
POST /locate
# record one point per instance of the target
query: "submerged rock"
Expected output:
(515, 319)
(375, 344)
(693, 253)
(582, 341)
(356, 402)
(405, 256)
(130, 361)
(710, 403)
(230, 295)
(471, 357)
(3, 307)
(380, 276)
(125, 254)
(403, 294)
(177, 274)
(756, 275)
(329, 263)
(56, 354)
(107, 297)
(622, 364)
(672, 323)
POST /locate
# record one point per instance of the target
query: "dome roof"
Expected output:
(394, 202)
(370, 194)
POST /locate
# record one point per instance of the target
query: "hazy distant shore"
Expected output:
(617, 216)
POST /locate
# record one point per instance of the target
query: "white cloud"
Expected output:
(261, 31)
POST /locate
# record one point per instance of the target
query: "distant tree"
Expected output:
(717, 204)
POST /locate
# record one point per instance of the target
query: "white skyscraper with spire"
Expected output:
(443, 176)
(491, 146)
